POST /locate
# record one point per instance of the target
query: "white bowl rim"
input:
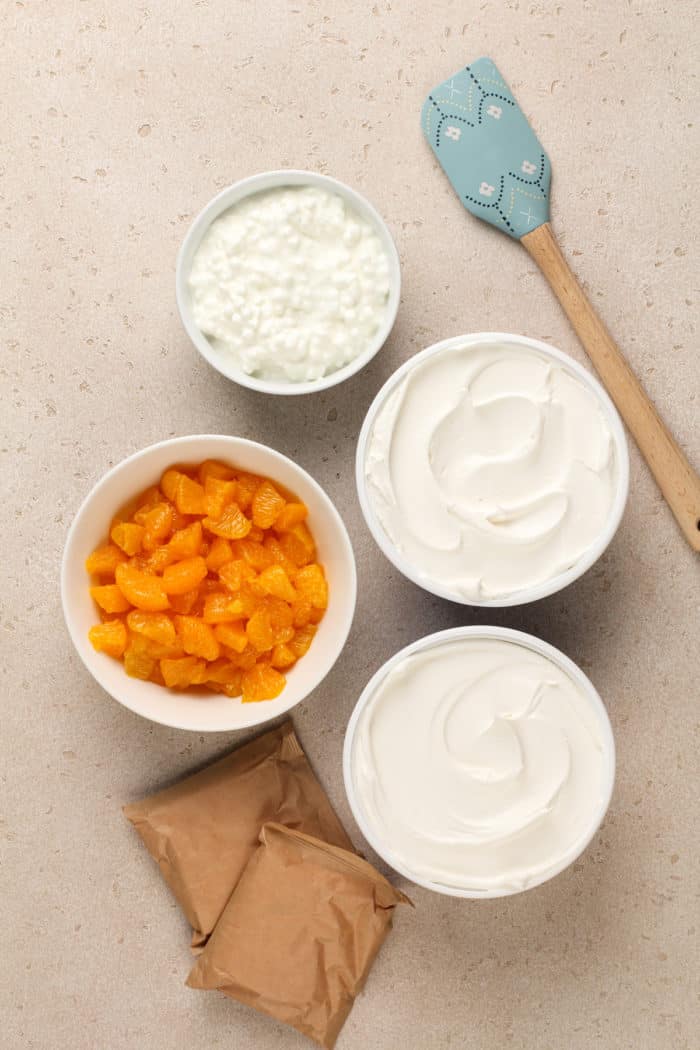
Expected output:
(350, 595)
(527, 641)
(257, 183)
(525, 594)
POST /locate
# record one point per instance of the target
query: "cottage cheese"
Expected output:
(291, 283)
(481, 765)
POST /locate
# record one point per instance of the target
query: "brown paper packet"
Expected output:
(204, 829)
(300, 932)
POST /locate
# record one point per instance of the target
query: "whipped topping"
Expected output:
(480, 764)
(491, 468)
(291, 283)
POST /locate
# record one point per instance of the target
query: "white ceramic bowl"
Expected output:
(205, 711)
(528, 641)
(232, 195)
(555, 583)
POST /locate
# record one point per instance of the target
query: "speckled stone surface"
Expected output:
(119, 122)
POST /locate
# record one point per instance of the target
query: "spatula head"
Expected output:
(488, 150)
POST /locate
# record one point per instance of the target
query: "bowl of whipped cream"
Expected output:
(479, 762)
(492, 469)
(288, 282)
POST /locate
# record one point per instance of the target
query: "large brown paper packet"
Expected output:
(300, 932)
(204, 829)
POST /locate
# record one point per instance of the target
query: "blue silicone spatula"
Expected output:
(501, 174)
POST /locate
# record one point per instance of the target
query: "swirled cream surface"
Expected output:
(491, 468)
(480, 765)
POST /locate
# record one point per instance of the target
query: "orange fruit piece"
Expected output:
(301, 612)
(184, 603)
(259, 631)
(154, 625)
(247, 487)
(184, 575)
(128, 536)
(197, 637)
(274, 580)
(296, 547)
(235, 573)
(110, 598)
(218, 494)
(255, 554)
(302, 640)
(273, 546)
(290, 515)
(186, 543)
(109, 637)
(182, 672)
(223, 672)
(141, 589)
(267, 504)
(104, 560)
(138, 664)
(311, 585)
(231, 524)
(158, 524)
(221, 608)
(219, 553)
(189, 496)
(212, 468)
(232, 635)
(262, 683)
(282, 656)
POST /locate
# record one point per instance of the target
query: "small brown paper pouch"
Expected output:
(300, 932)
(203, 830)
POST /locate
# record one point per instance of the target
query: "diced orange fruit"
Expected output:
(128, 536)
(109, 637)
(274, 580)
(311, 585)
(262, 682)
(104, 560)
(184, 575)
(201, 574)
(197, 637)
(186, 542)
(110, 598)
(231, 524)
(140, 589)
(290, 515)
(267, 504)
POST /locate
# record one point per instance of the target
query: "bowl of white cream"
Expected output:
(479, 762)
(288, 282)
(492, 469)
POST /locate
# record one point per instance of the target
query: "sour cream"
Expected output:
(491, 468)
(291, 283)
(481, 765)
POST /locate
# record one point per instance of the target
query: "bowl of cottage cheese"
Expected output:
(479, 762)
(288, 282)
(492, 469)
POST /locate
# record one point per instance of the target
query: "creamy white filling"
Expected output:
(491, 469)
(480, 764)
(291, 283)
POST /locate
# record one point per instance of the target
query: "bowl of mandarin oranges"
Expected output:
(208, 583)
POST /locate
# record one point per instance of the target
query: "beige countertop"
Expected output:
(119, 122)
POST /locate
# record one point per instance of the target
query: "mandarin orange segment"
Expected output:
(235, 573)
(302, 640)
(267, 504)
(182, 672)
(232, 635)
(157, 524)
(109, 637)
(301, 612)
(274, 580)
(212, 468)
(197, 637)
(221, 608)
(154, 625)
(104, 560)
(128, 536)
(259, 631)
(147, 501)
(184, 575)
(248, 485)
(138, 664)
(295, 549)
(158, 559)
(262, 682)
(231, 524)
(189, 496)
(311, 585)
(282, 656)
(186, 542)
(218, 495)
(220, 551)
(184, 603)
(254, 553)
(223, 672)
(290, 516)
(141, 589)
(110, 598)
(274, 548)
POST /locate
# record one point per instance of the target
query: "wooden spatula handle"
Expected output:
(676, 478)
